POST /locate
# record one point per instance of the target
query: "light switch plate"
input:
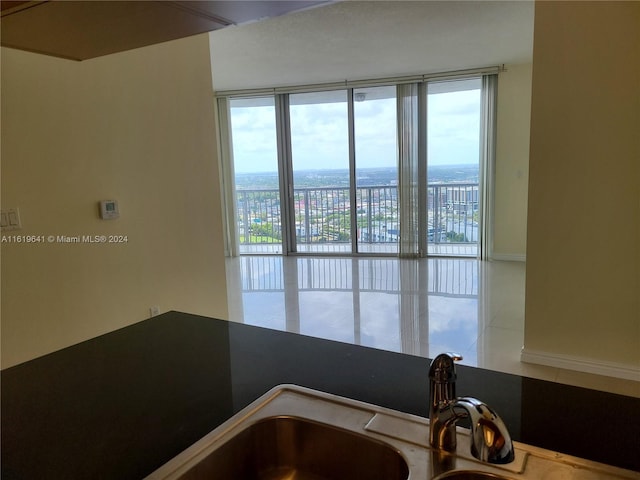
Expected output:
(10, 219)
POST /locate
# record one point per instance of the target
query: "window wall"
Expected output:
(319, 171)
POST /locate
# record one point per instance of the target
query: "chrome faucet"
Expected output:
(490, 440)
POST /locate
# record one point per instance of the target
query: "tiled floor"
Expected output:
(421, 307)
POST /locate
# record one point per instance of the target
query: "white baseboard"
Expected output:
(509, 257)
(568, 362)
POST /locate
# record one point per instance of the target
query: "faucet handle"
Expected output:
(443, 368)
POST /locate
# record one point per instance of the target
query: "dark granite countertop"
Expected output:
(120, 405)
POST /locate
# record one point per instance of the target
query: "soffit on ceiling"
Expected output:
(80, 30)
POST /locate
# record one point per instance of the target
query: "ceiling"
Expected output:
(294, 43)
(81, 30)
(360, 40)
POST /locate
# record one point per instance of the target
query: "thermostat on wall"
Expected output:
(109, 209)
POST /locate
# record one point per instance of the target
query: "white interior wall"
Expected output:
(583, 263)
(136, 127)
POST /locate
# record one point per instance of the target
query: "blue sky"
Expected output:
(319, 132)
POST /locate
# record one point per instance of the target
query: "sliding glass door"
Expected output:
(255, 167)
(376, 169)
(453, 167)
(320, 168)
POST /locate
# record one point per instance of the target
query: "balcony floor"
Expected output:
(418, 307)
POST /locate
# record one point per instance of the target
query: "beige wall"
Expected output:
(583, 255)
(512, 163)
(137, 127)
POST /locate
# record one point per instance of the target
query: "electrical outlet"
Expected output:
(154, 310)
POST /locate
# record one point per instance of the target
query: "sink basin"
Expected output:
(293, 432)
(469, 475)
(286, 448)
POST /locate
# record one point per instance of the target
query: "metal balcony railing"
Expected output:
(323, 215)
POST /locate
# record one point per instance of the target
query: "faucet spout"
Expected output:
(490, 439)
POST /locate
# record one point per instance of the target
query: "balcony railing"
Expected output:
(323, 215)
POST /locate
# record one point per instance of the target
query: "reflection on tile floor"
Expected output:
(419, 307)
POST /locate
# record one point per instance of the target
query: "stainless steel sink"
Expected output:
(296, 433)
(286, 447)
